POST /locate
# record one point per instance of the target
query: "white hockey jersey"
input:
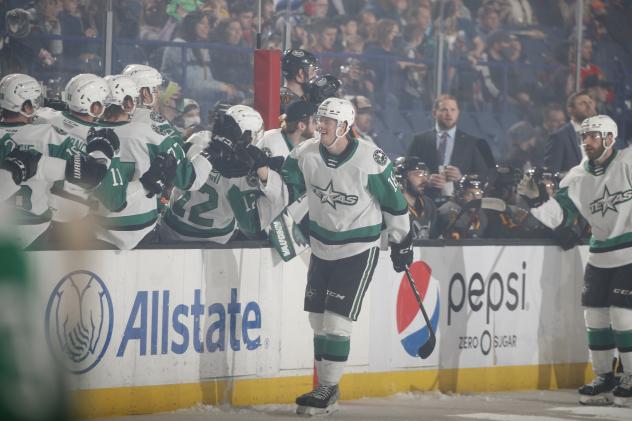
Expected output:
(350, 197)
(603, 196)
(32, 200)
(274, 143)
(220, 207)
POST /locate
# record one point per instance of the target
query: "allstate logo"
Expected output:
(79, 320)
(411, 326)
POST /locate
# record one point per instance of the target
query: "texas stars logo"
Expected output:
(610, 201)
(329, 195)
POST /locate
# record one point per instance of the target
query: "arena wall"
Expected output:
(156, 330)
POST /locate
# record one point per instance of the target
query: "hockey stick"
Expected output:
(426, 349)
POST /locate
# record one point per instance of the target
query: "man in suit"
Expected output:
(562, 150)
(448, 152)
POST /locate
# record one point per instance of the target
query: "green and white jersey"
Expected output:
(153, 118)
(7, 187)
(32, 200)
(68, 197)
(275, 143)
(350, 197)
(221, 206)
(603, 196)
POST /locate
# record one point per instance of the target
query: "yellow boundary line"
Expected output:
(243, 392)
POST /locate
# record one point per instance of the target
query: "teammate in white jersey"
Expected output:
(351, 193)
(149, 81)
(20, 96)
(297, 125)
(233, 196)
(600, 189)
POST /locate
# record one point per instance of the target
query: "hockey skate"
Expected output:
(323, 400)
(623, 392)
(598, 391)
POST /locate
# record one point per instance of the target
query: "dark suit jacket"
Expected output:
(562, 149)
(466, 154)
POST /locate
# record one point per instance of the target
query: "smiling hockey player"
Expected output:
(600, 189)
(351, 193)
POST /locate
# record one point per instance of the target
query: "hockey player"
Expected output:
(151, 158)
(351, 192)
(412, 175)
(322, 87)
(232, 197)
(599, 190)
(20, 97)
(298, 67)
(297, 125)
(461, 216)
(148, 80)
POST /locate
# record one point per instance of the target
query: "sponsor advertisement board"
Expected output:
(159, 317)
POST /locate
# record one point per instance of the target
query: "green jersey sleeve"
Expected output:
(244, 206)
(385, 189)
(569, 209)
(293, 177)
(112, 192)
(172, 144)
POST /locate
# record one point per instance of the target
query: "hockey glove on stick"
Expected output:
(402, 253)
(160, 174)
(85, 171)
(533, 193)
(21, 164)
(104, 141)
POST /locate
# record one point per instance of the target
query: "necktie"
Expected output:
(443, 141)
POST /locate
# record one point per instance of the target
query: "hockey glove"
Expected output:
(21, 164)
(102, 140)
(160, 174)
(402, 254)
(85, 171)
(533, 193)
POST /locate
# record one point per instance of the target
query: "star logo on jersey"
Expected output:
(332, 197)
(610, 201)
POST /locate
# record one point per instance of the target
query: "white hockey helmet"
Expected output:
(16, 89)
(84, 90)
(601, 124)
(120, 88)
(338, 109)
(144, 76)
(248, 119)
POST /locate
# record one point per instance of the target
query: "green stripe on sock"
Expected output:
(600, 339)
(623, 339)
(337, 348)
(319, 346)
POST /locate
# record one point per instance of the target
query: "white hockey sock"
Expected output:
(622, 326)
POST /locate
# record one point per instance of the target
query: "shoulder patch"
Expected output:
(267, 151)
(161, 130)
(157, 117)
(379, 157)
(60, 131)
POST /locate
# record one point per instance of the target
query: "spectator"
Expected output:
(368, 23)
(600, 92)
(153, 19)
(48, 12)
(234, 67)
(488, 22)
(356, 78)
(74, 25)
(195, 74)
(388, 71)
(515, 12)
(419, 23)
(245, 17)
(189, 121)
(554, 118)
(177, 10)
(390, 9)
(363, 125)
(324, 33)
(588, 68)
(523, 154)
(447, 151)
(563, 149)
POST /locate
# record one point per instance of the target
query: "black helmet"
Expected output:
(322, 87)
(467, 182)
(404, 164)
(296, 59)
(18, 23)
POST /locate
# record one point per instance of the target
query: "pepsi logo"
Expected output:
(411, 327)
